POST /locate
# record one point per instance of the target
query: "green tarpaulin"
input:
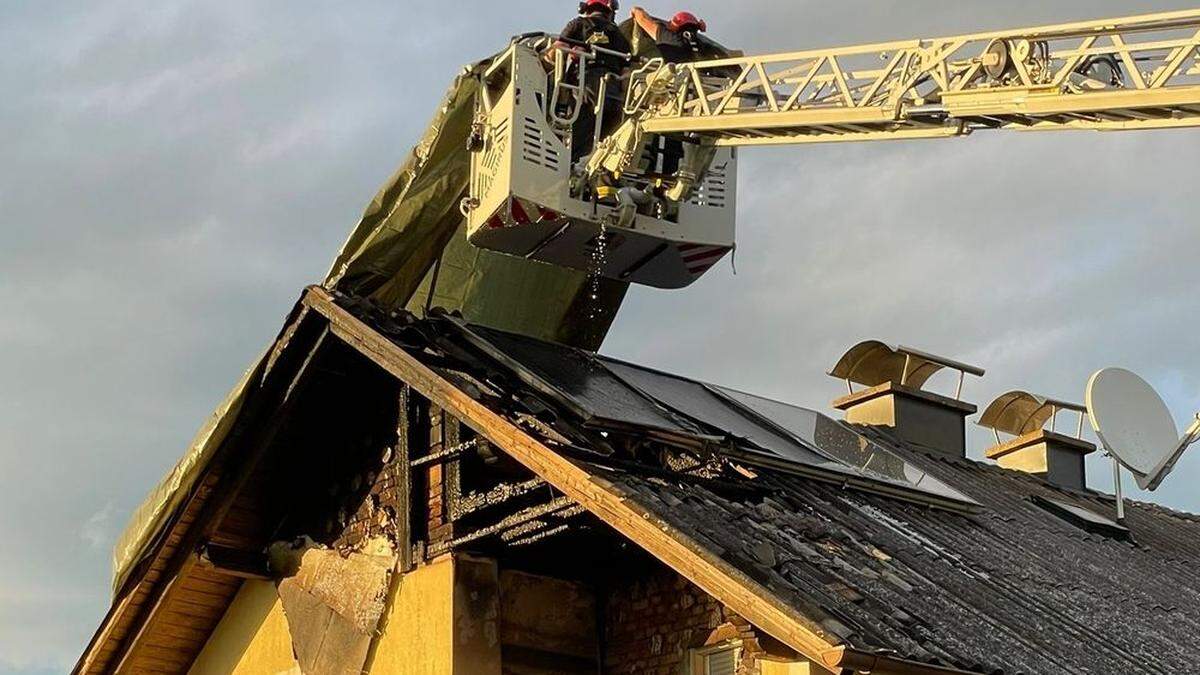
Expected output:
(410, 250)
(412, 238)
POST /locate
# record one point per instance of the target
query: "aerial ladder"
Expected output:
(666, 222)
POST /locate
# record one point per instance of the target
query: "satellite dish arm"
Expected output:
(1156, 477)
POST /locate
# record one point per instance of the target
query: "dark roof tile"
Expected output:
(1010, 589)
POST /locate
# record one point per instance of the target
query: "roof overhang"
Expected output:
(171, 561)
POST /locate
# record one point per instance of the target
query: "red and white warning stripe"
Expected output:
(522, 212)
(699, 258)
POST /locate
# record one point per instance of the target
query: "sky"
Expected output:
(173, 173)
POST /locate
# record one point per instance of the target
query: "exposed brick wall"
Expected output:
(437, 443)
(654, 621)
(444, 431)
(371, 499)
(350, 491)
(377, 500)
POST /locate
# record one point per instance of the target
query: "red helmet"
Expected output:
(687, 21)
(606, 5)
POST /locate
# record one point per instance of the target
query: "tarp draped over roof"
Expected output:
(392, 257)
(150, 519)
(416, 212)
(412, 239)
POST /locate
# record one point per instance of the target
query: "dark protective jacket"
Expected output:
(600, 31)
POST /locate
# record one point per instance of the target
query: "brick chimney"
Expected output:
(895, 397)
(1058, 458)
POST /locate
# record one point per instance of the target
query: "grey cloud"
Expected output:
(98, 529)
(175, 172)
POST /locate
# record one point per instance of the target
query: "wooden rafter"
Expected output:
(602, 498)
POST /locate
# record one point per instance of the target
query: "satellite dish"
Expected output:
(1136, 426)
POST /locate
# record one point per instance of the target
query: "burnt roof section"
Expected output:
(607, 394)
(1013, 589)
(1010, 589)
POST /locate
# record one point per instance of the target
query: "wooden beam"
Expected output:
(232, 562)
(523, 517)
(102, 637)
(452, 441)
(452, 452)
(604, 499)
(498, 496)
(401, 465)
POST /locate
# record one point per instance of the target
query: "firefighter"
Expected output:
(596, 27)
(678, 40)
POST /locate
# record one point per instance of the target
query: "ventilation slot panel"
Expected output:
(714, 189)
(536, 148)
(721, 663)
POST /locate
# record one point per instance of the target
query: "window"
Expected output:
(719, 660)
(1084, 519)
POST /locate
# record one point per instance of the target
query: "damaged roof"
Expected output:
(1008, 587)
(1013, 589)
(854, 552)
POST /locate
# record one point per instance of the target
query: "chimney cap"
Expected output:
(873, 363)
(894, 397)
(1019, 413)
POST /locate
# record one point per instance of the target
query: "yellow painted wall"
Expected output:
(443, 619)
(252, 638)
(417, 632)
(769, 668)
